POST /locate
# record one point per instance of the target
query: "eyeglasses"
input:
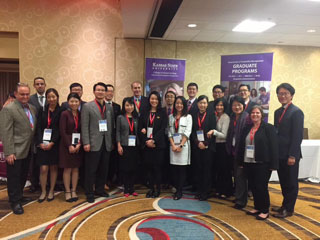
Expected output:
(243, 91)
(285, 94)
(217, 92)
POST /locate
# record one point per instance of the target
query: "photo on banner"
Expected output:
(164, 75)
(254, 70)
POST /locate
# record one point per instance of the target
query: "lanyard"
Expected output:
(252, 133)
(284, 112)
(130, 125)
(202, 120)
(151, 118)
(176, 124)
(76, 122)
(101, 111)
(218, 117)
(137, 104)
(234, 122)
(49, 119)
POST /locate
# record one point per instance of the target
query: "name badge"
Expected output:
(103, 126)
(149, 132)
(75, 138)
(177, 138)
(132, 141)
(200, 135)
(250, 151)
(47, 135)
(233, 142)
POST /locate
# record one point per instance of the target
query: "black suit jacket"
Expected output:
(250, 105)
(265, 145)
(159, 125)
(290, 132)
(194, 107)
(35, 102)
(116, 110)
(144, 107)
(65, 105)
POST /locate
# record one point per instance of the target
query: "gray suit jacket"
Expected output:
(123, 130)
(17, 135)
(90, 134)
(35, 102)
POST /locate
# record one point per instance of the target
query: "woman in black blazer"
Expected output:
(127, 143)
(203, 122)
(47, 142)
(152, 125)
(258, 154)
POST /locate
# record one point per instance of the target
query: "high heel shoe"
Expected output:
(150, 193)
(74, 199)
(40, 200)
(262, 218)
(68, 199)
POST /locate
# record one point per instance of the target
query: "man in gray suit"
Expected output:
(18, 121)
(96, 130)
(38, 99)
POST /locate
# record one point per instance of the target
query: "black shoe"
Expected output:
(283, 214)
(17, 208)
(177, 196)
(90, 199)
(203, 198)
(262, 218)
(197, 196)
(150, 193)
(156, 194)
(40, 200)
(277, 209)
(33, 189)
(25, 200)
(102, 194)
(238, 206)
(253, 213)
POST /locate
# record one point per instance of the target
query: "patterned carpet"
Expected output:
(159, 219)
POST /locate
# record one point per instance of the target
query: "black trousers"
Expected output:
(154, 160)
(96, 170)
(288, 176)
(203, 163)
(16, 178)
(34, 171)
(258, 178)
(179, 174)
(113, 173)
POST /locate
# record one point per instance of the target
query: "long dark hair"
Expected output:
(224, 103)
(55, 92)
(159, 100)
(185, 107)
(131, 102)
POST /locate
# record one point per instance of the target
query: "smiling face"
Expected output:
(284, 96)
(192, 91)
(99, 92)
(22, 94)
(128, 107)
(77, 90)
(237, 108)
(40, 86)
(136, 89)
(74, 103)
(169, 99)
(52, 98)
(154, 101)
(217, 93)
(179, 105)
(220, 108)
(109, 93)
(244, 92)
(202, 105)
(256, 115)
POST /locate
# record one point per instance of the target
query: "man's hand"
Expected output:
(291, 161)
(10, 159)
(86, 147)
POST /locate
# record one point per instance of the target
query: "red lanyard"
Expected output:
(218, 117)
(234, 122)
(28, 115)
(176, 124)
(49, 119)
(76, 122)
(101, 111)
(151, 118)
(202, 120)
(130, 125)
(252, 133)
(284, 112)
(137, 105)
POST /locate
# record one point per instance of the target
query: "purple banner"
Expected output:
(165, 69)
(247, 67)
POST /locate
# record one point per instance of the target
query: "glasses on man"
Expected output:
(283, 94)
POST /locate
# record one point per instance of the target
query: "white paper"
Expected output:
(75, 138)
(200, 135)
(103, 126)
(47, 134)
(233, 142)
(177, 138)
(149, 132)
(250, 151)
(132, 141)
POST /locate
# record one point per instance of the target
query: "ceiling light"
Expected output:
(192, 25)
(314, 0)
(253, 26)
(311, 31)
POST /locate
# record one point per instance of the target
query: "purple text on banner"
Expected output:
(165, 69)
(247, 67)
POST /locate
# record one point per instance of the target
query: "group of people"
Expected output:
(218, 144)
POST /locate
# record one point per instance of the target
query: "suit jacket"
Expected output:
(65, 105)
(265, 145)
(116, 110)
(17, 134)
(122, 134)
(250, 105)
(35, 102)
(159, 126)
(194, 107)
(144, 107)
(90, 116)
(290, 132)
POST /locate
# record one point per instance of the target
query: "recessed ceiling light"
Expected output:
(192, 25)
(314, 0)
(253, 26)
(311, 31)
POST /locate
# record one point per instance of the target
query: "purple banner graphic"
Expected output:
(247, 67)
(165, 69)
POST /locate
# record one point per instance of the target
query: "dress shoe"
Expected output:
(238, 206)
(156, 194)
(40, 200)
(277, 209)
(102, 194)
(177, 196)
(17, 208)
(74, 199)
(49, 199)
(262, 218)
(203, 197)
(197, 196)
(150, 193)
(252, 213)
(25, 200)
(90, 199)
(283, 214)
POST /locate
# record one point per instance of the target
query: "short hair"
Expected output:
(239, 100)
(109, 85)
(52, 90)
(258, 107)
(11, 94)
(75, 85)
(172, 92)
(73, 95)
(159, 100)
(201, 97)
(20, 84)
(99, 84)
(224, 103)
(244, 85)
(263, 89)
(192, 84)
(218, 86)
(136, 82)
(131, 102)
(185, 106)
(38, 78)
(286, 86)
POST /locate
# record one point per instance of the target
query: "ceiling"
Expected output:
(215, 20)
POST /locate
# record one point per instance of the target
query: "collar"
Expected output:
(135, 98)
(38, 95)
(109, 102)
(246, 102)
(192, 100)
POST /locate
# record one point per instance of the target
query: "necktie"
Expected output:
(169, 111)
(189, 103)
(41, 100)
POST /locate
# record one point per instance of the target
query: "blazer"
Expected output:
(90, 116)
(208, 124)
(65, 105)
(16, 132)
(250, 105)
(290, 132)
(194, 107)
(122, 130)
(265, 145)
(159, 126)
(35, 102)
(43, 123)
(144, 107)
(116, 110)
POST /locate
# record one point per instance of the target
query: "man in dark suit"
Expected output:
(17, 125)
(113, 166)
(140, 102)
(217, 92)
(192, 90)
(288, 121)
(38, 100)
(244, 92)
(74, 88)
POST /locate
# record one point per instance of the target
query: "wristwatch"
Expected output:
(181, 146)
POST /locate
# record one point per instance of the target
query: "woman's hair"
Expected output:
(185, 107)
(73, 95)
(54, 91)
(158, 97)
(224, 102)
(201, 97)
(253, 92)
(259, 108)
(131, 102)
(239, 100)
